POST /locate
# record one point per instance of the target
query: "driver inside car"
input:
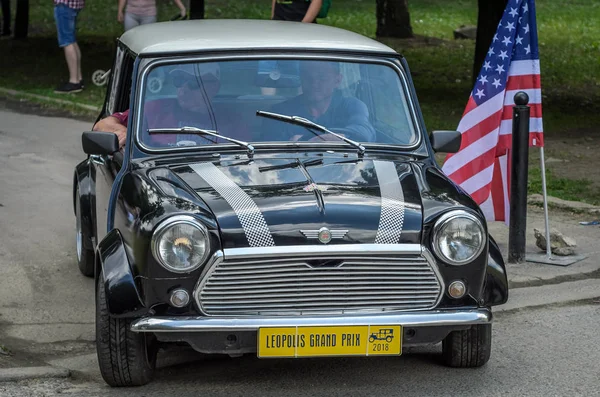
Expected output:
(321, 103)
(192, 108)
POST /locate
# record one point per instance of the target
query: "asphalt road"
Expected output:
(552, 351)
(42, 296)
(47, 311)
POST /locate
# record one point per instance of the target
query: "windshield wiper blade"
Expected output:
(297, 163)
(309, 124)
(200, 131)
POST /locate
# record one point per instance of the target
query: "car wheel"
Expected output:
(468, 348)
(126, 358)
(85, 257)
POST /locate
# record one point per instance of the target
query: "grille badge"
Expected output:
(324, 235)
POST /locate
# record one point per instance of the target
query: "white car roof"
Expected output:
(213, 34)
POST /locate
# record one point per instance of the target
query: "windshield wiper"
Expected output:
(309, 124)
(200, 131)
(307, 163)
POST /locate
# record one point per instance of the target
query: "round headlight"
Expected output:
(180, 244)
(458, 237)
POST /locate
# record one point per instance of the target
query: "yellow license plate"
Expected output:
(363, 340)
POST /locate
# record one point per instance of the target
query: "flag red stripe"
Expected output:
(505, 141)
(539, 139)
(535, 110)
(480, 130)
(497, 192)
(474, 166)
(482, 194)
(470, 105)
(523, 82)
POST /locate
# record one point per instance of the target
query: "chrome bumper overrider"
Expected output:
(202, 324)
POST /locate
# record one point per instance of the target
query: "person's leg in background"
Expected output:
(130, 21)
(133, 20)
(145, 19)
(79, 74)
(65, 27)
(5, 18)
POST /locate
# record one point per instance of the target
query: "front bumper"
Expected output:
(238, 336)
(435, 318)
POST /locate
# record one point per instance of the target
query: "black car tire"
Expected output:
(126, 358)
(468, 348)
(85, 257)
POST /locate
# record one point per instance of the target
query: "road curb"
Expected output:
(575, 206)
(545, 295)
(525, 282)
(15, 93)
(24, 373)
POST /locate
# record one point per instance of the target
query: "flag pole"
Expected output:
(544, 193)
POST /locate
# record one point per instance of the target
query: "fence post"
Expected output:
(518, 179)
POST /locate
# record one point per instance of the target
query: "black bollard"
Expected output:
(518, 181)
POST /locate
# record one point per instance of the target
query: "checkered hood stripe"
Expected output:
(392, 203)
(252, 220)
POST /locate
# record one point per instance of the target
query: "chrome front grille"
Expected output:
(318, 285)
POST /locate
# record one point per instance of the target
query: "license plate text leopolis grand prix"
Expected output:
(330, 341)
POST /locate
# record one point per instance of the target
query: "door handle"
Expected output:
(97, 160)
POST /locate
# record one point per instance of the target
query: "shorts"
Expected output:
(65, 18)
(133, 20)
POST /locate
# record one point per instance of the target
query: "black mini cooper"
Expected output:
(277, 195)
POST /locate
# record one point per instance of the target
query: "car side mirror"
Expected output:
(445, 141)
(99, 143)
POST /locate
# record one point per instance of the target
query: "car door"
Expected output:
(107, 167)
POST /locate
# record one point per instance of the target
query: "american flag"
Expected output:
(512, 64)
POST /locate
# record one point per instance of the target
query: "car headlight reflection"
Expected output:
(458, 237)
(180, 244)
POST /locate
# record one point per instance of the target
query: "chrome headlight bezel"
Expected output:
(166, 225)
(443, 221)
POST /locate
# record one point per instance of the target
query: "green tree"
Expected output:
(490, 13)
(393, 19)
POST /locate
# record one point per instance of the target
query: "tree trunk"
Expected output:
(22, 19)
(490, 13)
(5, 18)
(196, 9)
(393, 19)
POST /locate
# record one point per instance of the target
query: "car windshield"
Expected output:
(365, 102)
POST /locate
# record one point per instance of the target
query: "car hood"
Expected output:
(281, 202)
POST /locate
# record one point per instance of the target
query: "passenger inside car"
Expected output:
(322, 103)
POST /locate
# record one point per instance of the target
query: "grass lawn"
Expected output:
(569, 50)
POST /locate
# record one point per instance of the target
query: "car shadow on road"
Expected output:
(185, 365)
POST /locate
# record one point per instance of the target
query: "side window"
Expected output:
(115, 81)
(122, 103)
(390, 113)
(120, 85)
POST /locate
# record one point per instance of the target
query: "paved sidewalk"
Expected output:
(534, 274)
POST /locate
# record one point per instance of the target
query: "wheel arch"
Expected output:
(83, 182)
(123, 298)
(496, 281)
